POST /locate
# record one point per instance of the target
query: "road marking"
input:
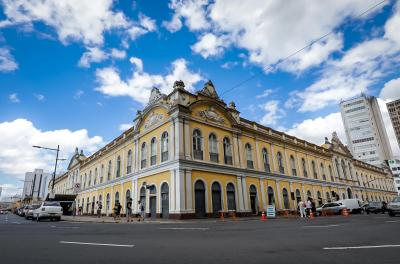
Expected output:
(17, 223)
(66, 227)
(95, 244)
(360, 247)
(393, 221)
(185, 228)
(321, 226)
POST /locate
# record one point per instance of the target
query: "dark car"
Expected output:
(374, 207)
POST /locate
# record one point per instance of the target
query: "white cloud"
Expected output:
(391, 90)
(139, 85)
(359, 68)
(93, 54)
(315, 130)
(126, 126)
(118, 54)
(229, 64)
(265, 93)
(272, 113)
(192, 11)
(78, 94)
(14, 98)
(210, 45)
(147, 23)
(7, 61)
(39, 97)
(17, 155)
(8, 191)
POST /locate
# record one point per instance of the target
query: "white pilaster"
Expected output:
(279, 193)
(189, 191)
(263, 198)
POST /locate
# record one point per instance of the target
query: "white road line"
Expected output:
(393, 221)
(321, 226)
(185, 228)
(17, 223)
(95, 244)
(360, 247)
(66, 227)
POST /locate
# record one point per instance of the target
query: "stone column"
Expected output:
(187, 137)
(172, 192)
(171, 142)
(180, 195)
(189, 191)
(263, 198)
(290, 195)
(240, 150)
(272, 161)
(179, 151)
(259, 165)
(245, 194)
(241, 207)
(279, 193)
(134, 196)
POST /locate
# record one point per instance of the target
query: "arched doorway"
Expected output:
(216, 198)
(153, 201)
(298, 196)
(93, 202)
(200, 199)
(349, 193)
(285, 195)
(253, 199)
(271, 196)
(230, 196)
(127, 198)
(165, 200)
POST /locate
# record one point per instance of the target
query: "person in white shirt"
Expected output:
(308, 207)
(302, 209)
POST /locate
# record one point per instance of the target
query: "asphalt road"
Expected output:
(371, 238)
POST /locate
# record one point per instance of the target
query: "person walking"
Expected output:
(99, 207)
(141, 211)
(302, 209)
(308, 207)
(129, 210)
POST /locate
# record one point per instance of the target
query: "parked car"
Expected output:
(22, 210)
(393, 207)
(3, 211)
(354, 205)
(48, 210)
(29, 211)
(335, 208)
(373, 207)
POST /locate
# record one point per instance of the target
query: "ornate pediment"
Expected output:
(153, 119)
(338, 146)
(155, 95)
(211, 115)
(209, 90)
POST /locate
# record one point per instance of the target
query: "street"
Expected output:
(337, 239)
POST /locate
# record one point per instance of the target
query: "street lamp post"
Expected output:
(55, 166)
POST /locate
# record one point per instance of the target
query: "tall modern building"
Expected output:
(36, 185)
(394, 113)
(365, 130)
(395, 168)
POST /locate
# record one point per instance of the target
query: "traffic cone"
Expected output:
(345, 212)
(222, 216)
(311, 215)
(263, 216)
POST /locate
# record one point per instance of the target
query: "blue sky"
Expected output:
(75, 73)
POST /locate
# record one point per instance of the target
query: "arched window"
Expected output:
(319, 198)
(90, 178)
(129, 162)
(164, 146)
(143, 160)
(271, 196)
(101, 173)
(265, 158)
(118, 165)
(116, 198)
(216, 198)
(314, 169)
(127, 197)
(323, 172)
(351, 172)
(230, 195)
(227, 151)
(197, 145)
(143, 196)
(298, 196)
(328, 197)
(309, 195)
(95, 176)
(280, 162)
(108, 202)
(330, 173)
(337, 168)
(213, 147)
(249, 156)
(344, 169)
(109, 170)
(343, 196)
(293, 165)
(153, 151)
(303, 163)
(285, 198)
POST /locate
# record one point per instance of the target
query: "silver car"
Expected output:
(334, 208)
(393, 207)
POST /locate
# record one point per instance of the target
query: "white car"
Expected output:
(354, 205)
(48, 210)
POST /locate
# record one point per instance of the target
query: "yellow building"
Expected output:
(191, 155)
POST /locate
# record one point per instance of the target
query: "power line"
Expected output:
(270, 67)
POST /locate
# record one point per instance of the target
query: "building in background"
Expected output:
(394, 113)
(395, 168)
(36, 185)
(365, 130)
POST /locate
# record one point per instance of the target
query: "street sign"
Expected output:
(271, 211)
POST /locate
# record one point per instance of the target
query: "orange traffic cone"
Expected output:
(263, 216)
(345, 212)
(311, 215)
(222, 216)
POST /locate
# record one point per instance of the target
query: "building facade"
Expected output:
(36, 185)
(395, 168)
(192, 155)
(365, 130)
(394, 113)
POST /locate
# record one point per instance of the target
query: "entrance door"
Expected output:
(253, 199)
(200, 199)
(165, 200)
(153, 206)
(216, 198)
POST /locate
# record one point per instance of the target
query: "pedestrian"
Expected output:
(308, 207)
(129, 210)
(115, 210)
(302, 209)
(80, 210)
(141, 211)
(99, 207)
